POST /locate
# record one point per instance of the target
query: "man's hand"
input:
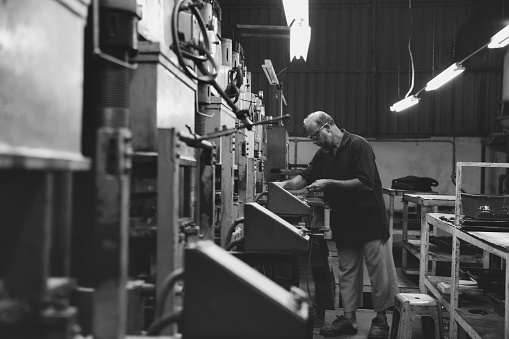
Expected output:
(318, 185)
(279, 183)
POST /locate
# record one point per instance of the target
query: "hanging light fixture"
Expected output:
(405, 103)
(270, 73)
(297, 17)
(299, 41)
(450, 73)
(501, 39)
(296, 9)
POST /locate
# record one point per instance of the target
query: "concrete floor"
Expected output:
(364, 318)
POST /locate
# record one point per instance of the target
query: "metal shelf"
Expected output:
(490, 324)
(44, 161)
(436, 254)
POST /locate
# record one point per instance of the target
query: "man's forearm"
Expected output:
(350, 185)
(295, 183)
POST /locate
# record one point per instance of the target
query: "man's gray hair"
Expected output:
(320, 118)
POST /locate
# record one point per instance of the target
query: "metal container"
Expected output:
(266, 231)
(276, 151)
(41, 77)
(162, 96)
(226, 47)
(236, 296)
(221, 116)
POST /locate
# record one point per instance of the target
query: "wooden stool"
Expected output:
(407, 306)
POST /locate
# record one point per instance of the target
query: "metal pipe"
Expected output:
(452, 142)
(226, 132)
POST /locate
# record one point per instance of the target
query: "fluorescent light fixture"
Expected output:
(271, 75)
(450, 73)
(501, 39)
(299, 41)
(296, 10)
(405, 103)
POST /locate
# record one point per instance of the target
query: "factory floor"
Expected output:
(364, 315)
(364, 318)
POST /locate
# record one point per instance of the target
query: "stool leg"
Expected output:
(405, 329)
(395, 324)
(429, 324)
(440, 322)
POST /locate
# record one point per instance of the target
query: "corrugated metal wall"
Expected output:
(359, 64)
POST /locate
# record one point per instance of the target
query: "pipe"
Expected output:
(157, 326)
(168, 283)
(230, 230)
(452, 142)
(233, 244)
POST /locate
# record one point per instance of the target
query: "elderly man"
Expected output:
(344, 169)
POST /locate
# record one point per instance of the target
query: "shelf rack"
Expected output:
(490, 324)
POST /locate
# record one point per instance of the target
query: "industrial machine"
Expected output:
(313, 211)
(222, 314)
(157, 144)
(266, 231)
(283, 203)
(299, 207)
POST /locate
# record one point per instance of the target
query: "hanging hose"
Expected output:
(165, 290)
(233, 244)
(260, 195)
(232, 228)
(236, 79)
(307, 274)
(157, 326)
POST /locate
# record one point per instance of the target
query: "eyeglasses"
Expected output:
(314, 136)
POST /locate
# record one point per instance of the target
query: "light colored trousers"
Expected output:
(381, 270)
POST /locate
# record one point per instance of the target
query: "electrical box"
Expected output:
(41, 77)
(162, 96)
(284, 203)
(277, 150)
(266, 231)
(237, 296)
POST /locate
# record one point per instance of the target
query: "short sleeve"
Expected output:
(310, 173)
(363, 161)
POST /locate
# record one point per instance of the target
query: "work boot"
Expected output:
(340, 326)
(379, 329)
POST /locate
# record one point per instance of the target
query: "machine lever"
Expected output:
(229, 131)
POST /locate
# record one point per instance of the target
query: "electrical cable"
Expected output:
(260, 195)
(157, 326)
(236, 79)
(233, 244)
(433, 39)
(197, 108)
(229, 233)
(410, 50)
(307, 274)
(166, 287)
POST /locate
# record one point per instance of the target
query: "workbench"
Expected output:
(427, 203)
(488, 324)
(392, 192)
(483, 322)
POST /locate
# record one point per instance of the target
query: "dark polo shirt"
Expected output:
(356, 217)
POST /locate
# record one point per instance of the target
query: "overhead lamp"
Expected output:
(501, 39)
(405, 103)
(296, 10)
(299, 41)
(297, 17)
(271, 75)
(450, 73)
